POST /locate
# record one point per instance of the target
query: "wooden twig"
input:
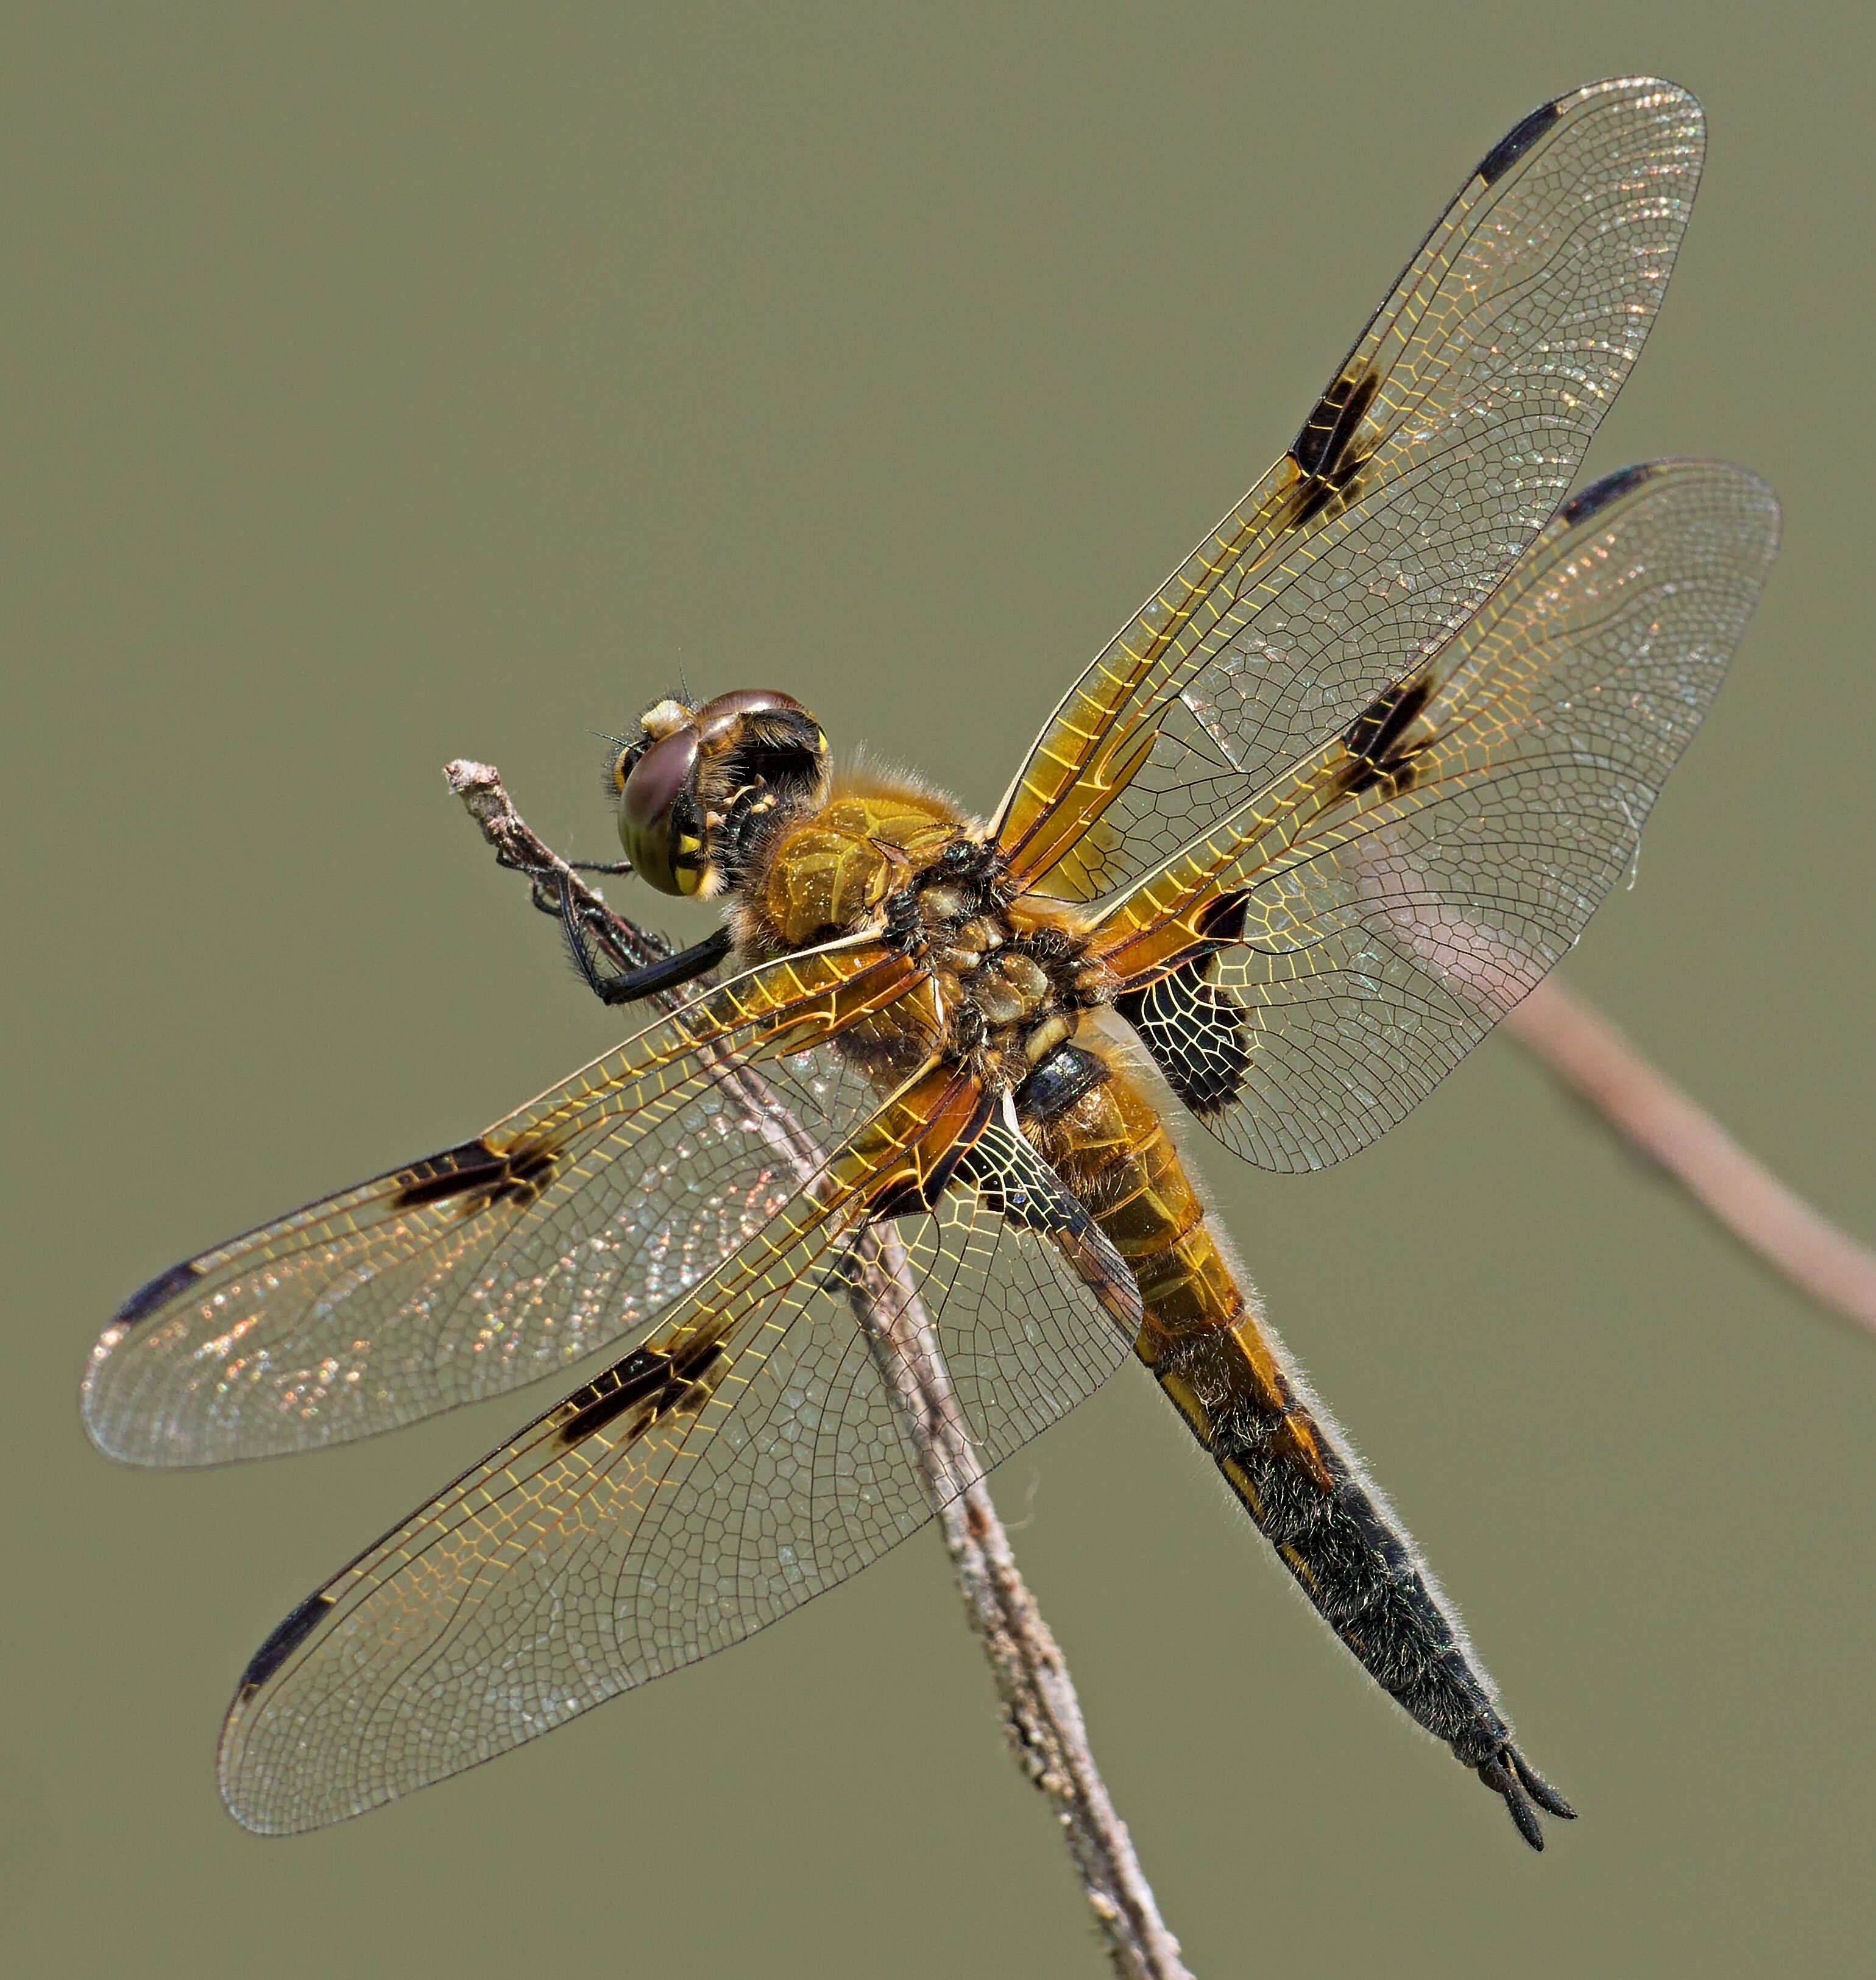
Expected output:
(1588, 1053)
(1042, 1715)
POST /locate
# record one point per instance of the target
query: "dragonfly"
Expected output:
(1332, 802)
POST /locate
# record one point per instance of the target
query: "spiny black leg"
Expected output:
(667, 973)
(613, 867)
(592, 937)
(625, 986)
(1508, 1773)
(586, 941)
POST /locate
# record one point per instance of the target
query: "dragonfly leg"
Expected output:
(627, 985)
(667, 973)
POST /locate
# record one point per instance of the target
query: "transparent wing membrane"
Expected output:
(1444, 442)
(751, 1455)
(1307, 972)
(565, 1228)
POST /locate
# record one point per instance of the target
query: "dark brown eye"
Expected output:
(716, 714)
(648, 798)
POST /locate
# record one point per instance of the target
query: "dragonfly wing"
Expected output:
(565, 1227)
(750, 1455)
(1305, 974)
(1444, 443)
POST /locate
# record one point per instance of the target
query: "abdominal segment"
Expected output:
(1226, 1375)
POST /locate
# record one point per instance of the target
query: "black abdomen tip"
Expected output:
(1525, 1790)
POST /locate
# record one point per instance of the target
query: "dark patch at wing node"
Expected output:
(910, 1193)
(283, 1642)
(1374, 739)
(1516, 141)
(1323, 449)
(1222, 918)
(1195, 1030)
(146, 1300)
(659, 1384)
(458, 1171)
(1328, 460)
(474, 1172)
(1599, 494)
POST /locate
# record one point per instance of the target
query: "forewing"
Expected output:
(1446, 439)
(564, 1228)
(1306, 974)
(749, 1456)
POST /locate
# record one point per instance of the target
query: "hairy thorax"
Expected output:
(1007, 978)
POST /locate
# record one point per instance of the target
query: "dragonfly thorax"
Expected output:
(1006, 974)
(1008, 978)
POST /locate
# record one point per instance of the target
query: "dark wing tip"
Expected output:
(281, 1644)
(99, 1403)
(1518, 140)
(159, 1292)
(1599, 495)
(1531, 130)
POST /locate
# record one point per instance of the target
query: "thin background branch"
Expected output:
(1042, 1715)
(1564, 1029)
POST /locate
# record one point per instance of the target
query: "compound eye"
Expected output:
(648, 798)
(718, 714)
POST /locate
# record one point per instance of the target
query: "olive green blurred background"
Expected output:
(382, 384)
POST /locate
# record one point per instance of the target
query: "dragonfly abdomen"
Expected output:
(1228, 1377)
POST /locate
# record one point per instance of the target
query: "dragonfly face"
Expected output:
(700, 787)
(1352, 779)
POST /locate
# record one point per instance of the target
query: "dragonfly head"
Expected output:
(698, 787)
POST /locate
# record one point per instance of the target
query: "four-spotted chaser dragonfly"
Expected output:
(1351, 782)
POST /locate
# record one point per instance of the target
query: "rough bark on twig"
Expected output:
(1587, 1052)
(1041, 1714)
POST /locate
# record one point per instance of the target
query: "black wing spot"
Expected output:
(1195, 1030)
(1374, 733)
(906, 1197)
(1517, 140)
(1222, 919)
(909, 1194)
(642, 1375)
(458, 1171)
(659, 1384)
(1014, 1181)
(283, 1642)
(1599, 494)
(1324, 448)
(146, 1300)
(1373, 739)
(480, 1176)
(1313, 497)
